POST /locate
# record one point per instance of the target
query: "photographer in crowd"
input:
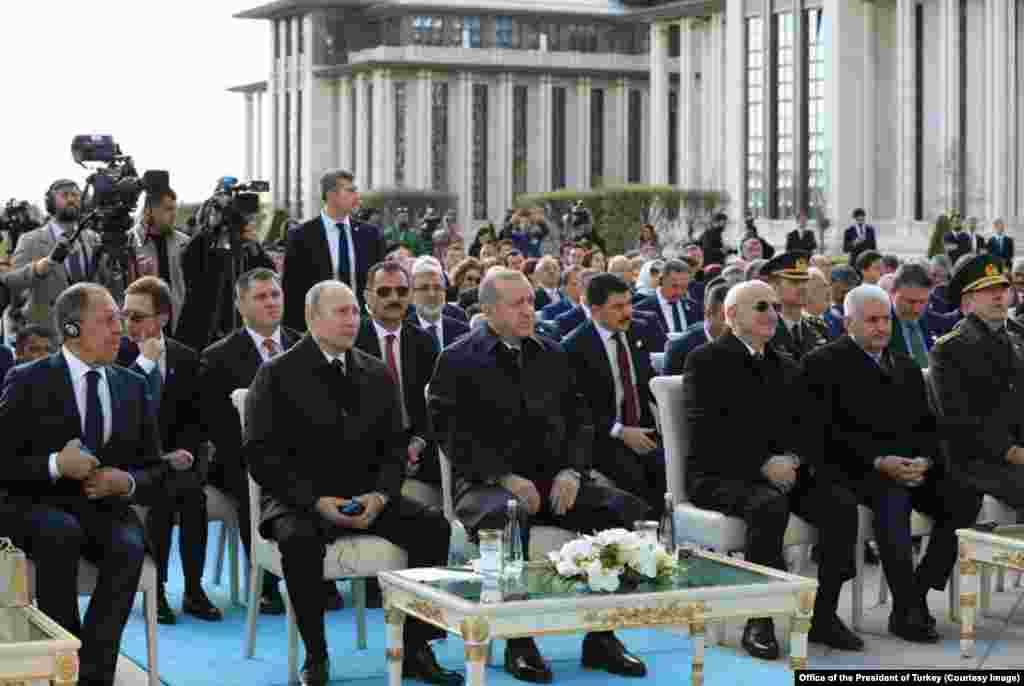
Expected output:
(159, 246)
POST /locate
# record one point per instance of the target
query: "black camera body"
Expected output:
(231, 204)
(17, 218)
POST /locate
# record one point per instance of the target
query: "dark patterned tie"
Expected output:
(93, 412)
(630, 406)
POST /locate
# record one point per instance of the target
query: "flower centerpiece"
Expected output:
(612, 558)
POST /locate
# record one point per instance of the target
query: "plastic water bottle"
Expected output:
(667, 528)
(513, 543)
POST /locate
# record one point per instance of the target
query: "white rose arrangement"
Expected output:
(609, 558)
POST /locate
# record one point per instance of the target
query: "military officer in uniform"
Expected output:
(796, 333)
(978, 373)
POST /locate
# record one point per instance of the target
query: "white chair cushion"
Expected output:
(362, 556)
(712, 529)
(997, 511)
(87, 575)
(421, 492)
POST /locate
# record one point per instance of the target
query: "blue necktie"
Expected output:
(677, 320)
(432, 330)
(93, 412)
(344, 268)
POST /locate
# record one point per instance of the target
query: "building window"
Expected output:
(471, 32)
(784, 112)
(597, 138)
(400, 132)
(439, 135)
(504, 32)
(480, 161)
(519, 134)
(755, 117)
(557, 138)
(673, 138)
(815, 126)
(636, 132)
(427, 30)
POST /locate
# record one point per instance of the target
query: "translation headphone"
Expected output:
(71, 329)
(51, 194)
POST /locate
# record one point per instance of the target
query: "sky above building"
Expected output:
(152, 74)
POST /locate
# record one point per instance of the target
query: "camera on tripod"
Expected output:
(16, 219)
(231, 205)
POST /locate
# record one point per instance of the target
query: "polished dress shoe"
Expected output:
(832, 632)
(334, 601)
(421, 664)
(603, 650)
(271, 603)
(759, 639)
(164, 613)
(524, 662)
(315, 672)
(913, 626)
(198, 605)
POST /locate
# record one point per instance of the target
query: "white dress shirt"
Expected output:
(146, 364)
(426, 326)
(331, 231)
(382, 335)
(666, 311)
(258, 339)
(611, 349)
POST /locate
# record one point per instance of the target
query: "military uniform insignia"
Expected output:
(948, 336)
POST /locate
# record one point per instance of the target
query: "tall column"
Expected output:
(584, 145)
(362, 130)
(658, 109)
(1000, 94)
(800, 30)
(462, 162)
(502, 138)
(617, 151)
(422, 127)
(250, 143)
(383, 129)
(906, 182)
(272, 93)
(868, 100)
(952, 79)
(281, 120)
(711, 103)
(346, 149)
(735, 110)
(258, 143)
(686, 158)
(294, 79)
(539, 145)
(309, 172)
(1012, 132)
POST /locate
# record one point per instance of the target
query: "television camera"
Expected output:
(18, 218)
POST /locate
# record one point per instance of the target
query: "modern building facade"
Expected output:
(903, 107)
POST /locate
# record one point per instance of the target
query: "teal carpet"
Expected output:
(197, 653)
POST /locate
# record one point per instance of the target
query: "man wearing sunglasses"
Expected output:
(796, 334)
(747, 423)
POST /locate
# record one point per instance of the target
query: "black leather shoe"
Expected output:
(524, 662)
(198, 605)
(164, 613)
(913, 626)
(334, 601)
(271, 603)
(422, 666)
(759, 639)
(605, 651)
(833, 633)
(315, 672)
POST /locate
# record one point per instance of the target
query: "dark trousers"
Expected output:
(1001, 480)
(765, 509)
(186, 498)
(109, 535)
(641, 475)
(423, 533)
(597, 507)
(951, 506)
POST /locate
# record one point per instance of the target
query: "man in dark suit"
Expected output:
(746, 417)
(82, 447)
(671, 302)
(570, 292)
(577, 314)
(957, 241)
(844, 279)
(409, 353)
(427, 309)
(332, 245)
(32, 343)
(711, 242)
(796, 333)
(547, 275)
(613, 372)
(1000, 244)
(172, 370)
(978, 374)
(504, 402)
(877, 436)
(939, 268)
(340, 401)
(802, 237)
(711, 329)
(6, 361)
(912, 333)
(227, 365)
(859, 237)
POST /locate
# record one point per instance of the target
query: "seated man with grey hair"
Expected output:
(748, 421)
(711, 329)
(505, 405)
(428, 309)
(671, 303)
(876, 435)
(914, 328)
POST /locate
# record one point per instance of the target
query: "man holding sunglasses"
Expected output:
(747, 420)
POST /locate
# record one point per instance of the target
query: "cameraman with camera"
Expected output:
(45, 261)
(159, 246)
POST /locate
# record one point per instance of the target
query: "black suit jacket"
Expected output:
(800, 240)
(739, 413)
(677, 350)
(493, 421)
(308, 262)
(39, 415)
(455, 312)
(418, 355)
(309, 433)
(595, 382)
(693, 312)
(452, 330)
(1002, 248)
(854, 245)
(957, 244)
(6, 361)
(227, 365)
(542, 299)
(179, 412)
(863, 412)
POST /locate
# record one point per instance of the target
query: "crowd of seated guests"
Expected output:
(538, 370)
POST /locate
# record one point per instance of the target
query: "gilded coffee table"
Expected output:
(35, 648)
(1003, 547)
(537, 603)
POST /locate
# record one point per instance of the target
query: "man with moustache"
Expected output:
(796, 334)
(429, 306)
(159, 247)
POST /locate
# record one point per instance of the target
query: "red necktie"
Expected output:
(630, 409)
(270, 347)
(392, 364)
